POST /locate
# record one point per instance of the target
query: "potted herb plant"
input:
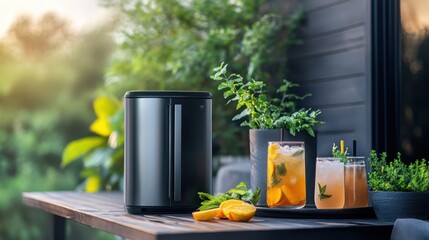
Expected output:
(267, 115)
(399, 190)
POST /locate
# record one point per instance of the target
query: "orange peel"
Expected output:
(205, 215)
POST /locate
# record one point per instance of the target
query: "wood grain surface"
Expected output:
(105, 211)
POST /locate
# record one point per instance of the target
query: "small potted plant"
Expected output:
(399, 190)
(267, 115)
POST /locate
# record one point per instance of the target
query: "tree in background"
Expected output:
(35, 37)
(46, 92)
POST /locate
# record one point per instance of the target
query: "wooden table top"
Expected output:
(105, 211)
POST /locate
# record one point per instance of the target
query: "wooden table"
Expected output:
(105, 211)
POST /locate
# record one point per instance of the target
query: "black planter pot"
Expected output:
(259, 139)
(389, 206)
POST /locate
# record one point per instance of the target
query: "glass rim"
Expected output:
(290, 142)
(355, 160)
(329, 158)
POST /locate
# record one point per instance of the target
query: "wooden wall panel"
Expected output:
(346, 123)
(332, 43)
(341, 64)
(333, 64)
(339, 92)
(344, 15)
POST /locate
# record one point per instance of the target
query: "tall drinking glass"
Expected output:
(329, 185)
(355, 183)
(286, 175)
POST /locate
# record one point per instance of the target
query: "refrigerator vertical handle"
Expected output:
(177, 195)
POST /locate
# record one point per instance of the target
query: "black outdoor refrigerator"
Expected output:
(168, 150)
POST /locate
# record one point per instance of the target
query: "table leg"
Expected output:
(59, 227)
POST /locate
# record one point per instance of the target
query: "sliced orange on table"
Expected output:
(227, 203)
(240, 212)
(206, 215)
(233, 209)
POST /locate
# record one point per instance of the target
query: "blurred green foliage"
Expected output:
(102, 155)
(174, 45)
(45, 101)
(50, 75)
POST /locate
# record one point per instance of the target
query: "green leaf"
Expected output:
(80, 147)
(281, 169)
(237, 191)
(205, 196)
(222, 86)
(242, 185)
(109, 117)
(244, 113)
(227, 94)
(241, 192)
(256, 196)
(274, 180)
(101, 126)
(322, 194)
(105, 107)
(98, 157)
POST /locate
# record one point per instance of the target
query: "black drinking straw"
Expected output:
(281, 134)
(354, 148)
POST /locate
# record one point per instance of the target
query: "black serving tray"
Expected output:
(310, 211)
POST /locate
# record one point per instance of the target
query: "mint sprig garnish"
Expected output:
(275, 180)
(322, 194)
(337, 153)
(281, 169)
(240, 192)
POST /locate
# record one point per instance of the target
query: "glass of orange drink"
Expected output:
(355, 183)
(286, 175)
(329, 185)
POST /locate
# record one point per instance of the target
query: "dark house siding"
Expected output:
(333, 64)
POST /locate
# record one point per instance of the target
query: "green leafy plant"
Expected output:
(261, 110)
(337, 153)
(397, 176)
(240, 192)
(102, 155)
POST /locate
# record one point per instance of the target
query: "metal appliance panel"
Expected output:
(146, 152)
(192, 150)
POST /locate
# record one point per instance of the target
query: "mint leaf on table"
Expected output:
(322, 194)
(256, 195)
(240, 192)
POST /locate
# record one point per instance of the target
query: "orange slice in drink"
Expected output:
(291, 196)
(275, 197)
(223, 213)
(272, 150)
(206, 214)
(240, 213)
(270, 169)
